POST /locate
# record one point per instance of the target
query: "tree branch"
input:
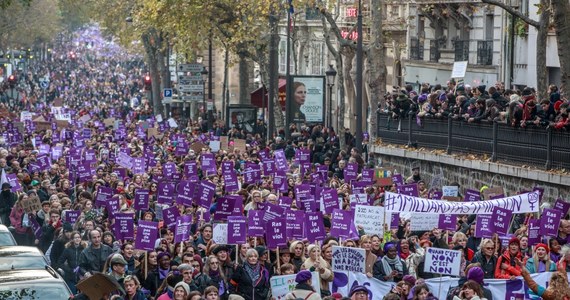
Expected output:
(336, 31)
(513, 12)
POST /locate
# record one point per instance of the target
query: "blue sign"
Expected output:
(167, 93)
(44, 84)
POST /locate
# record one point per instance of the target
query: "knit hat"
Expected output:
(67, 227)
(184, 286)
(410, 279)
(358, 288)
(476, 274)
(198, 258)
(541, 245)
(260, 250)
(482, 88)
(303, 276)
(163, 254)
(515, 240)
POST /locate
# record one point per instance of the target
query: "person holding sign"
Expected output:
(315, 262)
(366, 244)
(390, 268)
(506, 267)
(251, 280)
(303, 290)
(540, 260)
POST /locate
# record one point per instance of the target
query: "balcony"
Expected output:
(461, 50)
(416, 49)
(536, 146)
(485, 52)
(434, 54)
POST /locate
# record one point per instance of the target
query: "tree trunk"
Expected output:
(376, 65)
(243, 68)
(151, 49)
(349, 54)
(541, 40)
(561, 9)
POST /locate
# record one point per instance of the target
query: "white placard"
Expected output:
(63, 117)
(283, 285)
(26, 116)
(172, 123)
(220, 233)
(371, 218)
(442, 261)
(347, 259)
(459, 69)
(158, 118)
(358, 199)
(450, 191)
(215, 146)
(420, 221)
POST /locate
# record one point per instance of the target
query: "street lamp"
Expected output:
(204, 77)
(331, 74)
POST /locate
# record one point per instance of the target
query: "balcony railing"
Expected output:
(537, 146)
(434, 54)
(461, 50)
(485, 52)
(416, 49)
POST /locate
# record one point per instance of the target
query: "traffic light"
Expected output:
(12, 80)
(147, 83)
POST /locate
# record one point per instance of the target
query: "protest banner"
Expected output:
(483, 228)
(182, 231)
(284, 284)
(442, 261)
(447, 222)
(31, 205)
(500, 220)
(314, 226)
(237, 230)
(220, 233)
(239, 144)
(550, 221)
(340, 223)
(523, 203)
(533, 231)
(276, 234)
(420, 221)
(255, 223)
(347, 259)
(562, 206)
(371, 218)
(124, 226)
(450, 191)
(147, 233)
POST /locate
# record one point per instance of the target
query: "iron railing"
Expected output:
(416, 49)
(434, 54)
(461, 50)
(533, 146)
(485, 52)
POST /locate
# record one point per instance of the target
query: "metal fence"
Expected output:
(532, 146)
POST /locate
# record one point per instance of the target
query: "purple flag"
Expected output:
(533, 232)
(550, 221)
(147, 233)
(276, 234)
(280, 160)
(340, 223)
(472, 195)
(124, 226)
(315, 226)
(71, 216)
(295, 224)
(170, 215)
(330, 200)
(236, 230)
(447, 222)
(500, 220)
(408, 189)
(255, 223)
(14, 182)
(562, 206)
(484, 227)
(141, 199)
(182, 232)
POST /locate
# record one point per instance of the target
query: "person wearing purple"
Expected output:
(303, 289)
(390, 268)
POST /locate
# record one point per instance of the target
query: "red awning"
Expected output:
(258, 99)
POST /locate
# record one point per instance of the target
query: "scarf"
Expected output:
(162, 273)
(388, 262)
(254, 272)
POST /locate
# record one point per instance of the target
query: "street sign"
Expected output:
(189, 77)
(190, 88)
(210, 104)
(44, 84)
(167, 96)
(193, 98)
(190, 67)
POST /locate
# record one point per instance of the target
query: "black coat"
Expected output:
(242, 285)
(68, 261)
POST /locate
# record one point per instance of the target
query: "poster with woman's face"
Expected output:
(307, 99)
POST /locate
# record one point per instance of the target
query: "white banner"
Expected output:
(283, 285)
(523, 203)
(346, 259)
(423, 221)
(500, 289)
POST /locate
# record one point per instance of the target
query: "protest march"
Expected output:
(173, 209)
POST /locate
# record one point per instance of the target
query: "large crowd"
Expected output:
(84, 158)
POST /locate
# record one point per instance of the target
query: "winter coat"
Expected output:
(512, 270)
(88, 261)
(16, 216)
(488, 266)
(326, 276)
(303, 291)
(242, 285)
(69, 260)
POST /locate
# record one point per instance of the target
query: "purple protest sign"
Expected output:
(436, 195)
(303, 156)
(484, 227)
(280, 160)
(330, 200)
(56, 152)
(206, 192)
(147, 233)
(447, 222)
(394, 220)
(169, 169)
(276, 234)
(124, 160)
(165, 193)
(170, 215)
(295, 224)
(84, 172)
(226, 207)
(397, 179)
(208, 165)
(550, 221)
(113, 205)
(255, 223)
(36, 228)
(273, 212)
(350, 172)
(367, 175)
(302, 191)
(269, 167)
(71, 216)
(533, 232)
(500, 220)
(472, 195)
(359, 187)
(141, 199)
(231, 182)
(340, 223)
(124, 226)
(190, 168)
(139, 165)
(284, 201)
(103, 193)
(186, 190)
(236, 230)
(408, 189)
(252, 173)
(315, 226)
(182, 231)
(562, 206)
(14, 182)
(90, 156)
(280, 181)
(44, 162)
(228, 167)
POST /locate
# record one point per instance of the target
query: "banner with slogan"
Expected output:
(500, 289)
(523, 203)
(283, 285)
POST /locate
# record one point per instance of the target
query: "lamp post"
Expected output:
(359, 67)
(204, 77)
(331, 75)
